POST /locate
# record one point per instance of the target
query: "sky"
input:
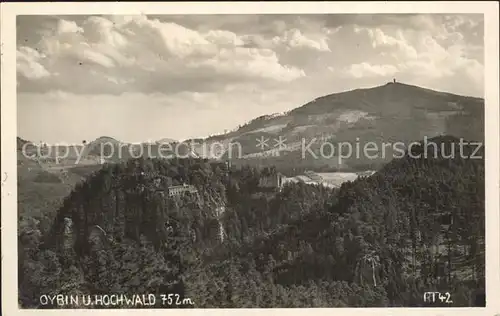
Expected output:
(144, 78)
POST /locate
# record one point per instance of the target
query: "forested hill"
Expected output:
(419, 221)
(417, 225)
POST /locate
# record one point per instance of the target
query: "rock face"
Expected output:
(68, 234)
(97, 237)
(274, 181)
(367, 271)
(219, 211)
(121, 203)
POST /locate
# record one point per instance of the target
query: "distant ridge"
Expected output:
(392, 112)
(104, 139)
(388, 113)
(21, 142)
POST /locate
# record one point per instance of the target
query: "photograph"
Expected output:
(250, 160)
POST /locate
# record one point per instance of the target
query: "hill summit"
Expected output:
(393, 112)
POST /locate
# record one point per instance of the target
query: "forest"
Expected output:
(416, 225)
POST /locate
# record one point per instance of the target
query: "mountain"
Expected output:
(329, 133)
(394, 112)
(102, 145)
(416, 225)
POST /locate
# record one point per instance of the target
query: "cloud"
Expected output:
(64, 26)
(204, 53)
(96, 57)
(224, 38)
(383, 41)
(150, 51)
(423, 56)
(366, 70)
(251, 62)
(295, 39)
(28, 64)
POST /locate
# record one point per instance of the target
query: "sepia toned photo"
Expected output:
(251, 160)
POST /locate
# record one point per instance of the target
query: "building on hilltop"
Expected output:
(177, 190)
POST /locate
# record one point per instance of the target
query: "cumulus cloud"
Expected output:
(28, 64)
(64, 26)
(399, 44)
(295, 39)
(148, 50)
(224, 38)
(423, 56)
(202, 53)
